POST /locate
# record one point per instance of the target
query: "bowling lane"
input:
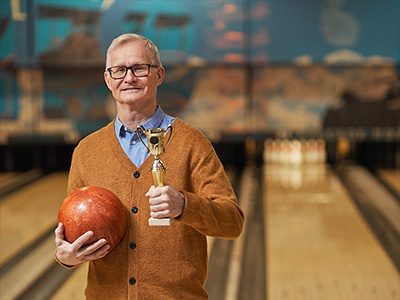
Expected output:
(6, 175)
(318, 245)
(391, 178)
(74, 286)
(28, 268)
(28, 213)
(11, 181)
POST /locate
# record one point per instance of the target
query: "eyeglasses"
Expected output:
(140, 70)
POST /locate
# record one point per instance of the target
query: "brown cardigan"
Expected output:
(157, 262)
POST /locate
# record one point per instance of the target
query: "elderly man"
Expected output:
(151, 262)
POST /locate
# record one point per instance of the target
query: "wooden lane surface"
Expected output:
(370, 192)
(7, 179)
(28, 213)
(74, 286)
(4, 176)
(392, 178)
(13, 180)
(27, 270)
(318, 245)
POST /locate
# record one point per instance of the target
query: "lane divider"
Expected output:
(248, 188)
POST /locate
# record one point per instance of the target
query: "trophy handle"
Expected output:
(169, 128)
(139, 130)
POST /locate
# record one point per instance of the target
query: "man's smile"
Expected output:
(131, 88)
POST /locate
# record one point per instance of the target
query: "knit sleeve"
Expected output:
(212, 208)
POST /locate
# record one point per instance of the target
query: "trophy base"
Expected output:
(160, 222)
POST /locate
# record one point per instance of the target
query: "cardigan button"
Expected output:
(136, 174)
(132, 281)
(132, 245)
(134, 210)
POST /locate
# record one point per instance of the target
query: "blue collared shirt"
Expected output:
(130, 142)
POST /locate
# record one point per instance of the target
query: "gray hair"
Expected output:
(130, 37)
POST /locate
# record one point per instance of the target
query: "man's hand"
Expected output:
(165, 202)
(76, 253)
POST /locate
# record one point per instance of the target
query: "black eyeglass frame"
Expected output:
(132, 68)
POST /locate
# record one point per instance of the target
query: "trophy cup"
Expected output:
(156, 146)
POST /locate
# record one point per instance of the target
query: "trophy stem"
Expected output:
(158, 171)
(158, 177)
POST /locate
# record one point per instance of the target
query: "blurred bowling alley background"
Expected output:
(301, 99)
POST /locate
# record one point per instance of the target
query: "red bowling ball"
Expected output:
(96, 209)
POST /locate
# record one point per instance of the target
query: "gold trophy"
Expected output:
(156, 146)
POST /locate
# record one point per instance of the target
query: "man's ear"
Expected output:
(160, 75)
(107, 79)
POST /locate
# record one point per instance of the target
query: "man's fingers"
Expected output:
(160, 214)
(59, 232)
(150, 192)
(157, 200)
(159, 196)
(157, 191)
(80, 241)
(99, 253)
(159, 207)
(95, 246)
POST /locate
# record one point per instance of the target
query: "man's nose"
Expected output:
(130, 75)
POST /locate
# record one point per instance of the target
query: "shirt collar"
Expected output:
(120, 129)
(153, 122)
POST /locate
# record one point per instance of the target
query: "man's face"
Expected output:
(132, 90)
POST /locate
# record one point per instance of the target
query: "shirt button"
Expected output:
(132, 245)
(132, 281)
(136, 174)
(134, 210)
